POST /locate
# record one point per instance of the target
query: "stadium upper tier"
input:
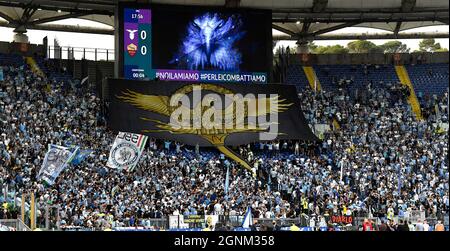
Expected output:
(11, 59)
(427, 79)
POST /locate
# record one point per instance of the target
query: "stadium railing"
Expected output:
(301, 221)
(234, 221)
(162, 223)
(77, 228)
(16, 224)
(78, 53)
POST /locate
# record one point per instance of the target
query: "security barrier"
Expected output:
(15, 224)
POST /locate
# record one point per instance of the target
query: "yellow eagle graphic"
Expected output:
(216, 135)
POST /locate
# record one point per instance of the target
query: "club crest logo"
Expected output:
(131, 34)
(124, 154)
(132, 49)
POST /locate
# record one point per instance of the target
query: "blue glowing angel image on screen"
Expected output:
(210, 43)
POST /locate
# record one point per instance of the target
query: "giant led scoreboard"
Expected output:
(198, 44)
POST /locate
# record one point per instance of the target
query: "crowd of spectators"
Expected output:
(377, 161)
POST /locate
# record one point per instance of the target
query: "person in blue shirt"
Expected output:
(167, 145)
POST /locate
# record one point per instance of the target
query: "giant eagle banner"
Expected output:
(126, 151)
(214, 115)
(55, 161)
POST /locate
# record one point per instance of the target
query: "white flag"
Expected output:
(126, 151)
(56, 160)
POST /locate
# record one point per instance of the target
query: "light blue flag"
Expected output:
(248, 219)
(80, 156)
(55, 161)
(227, 180)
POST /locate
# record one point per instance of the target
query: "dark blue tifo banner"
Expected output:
(227, 114)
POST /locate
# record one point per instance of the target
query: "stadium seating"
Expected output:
(428, 79)
(49, 69)
(195, 179)
(11, 59)
(326, 74)
(382, 73)
(296, 76)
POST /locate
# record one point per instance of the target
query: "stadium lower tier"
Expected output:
(375, 160)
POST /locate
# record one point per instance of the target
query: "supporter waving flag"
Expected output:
(80, 156)
(126, 151)
(55, 161)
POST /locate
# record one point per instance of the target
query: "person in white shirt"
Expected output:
(426, 227)
(349, 212)
(322, 222)
(312, 222)
(297, 148)
(277, 146)
(217, 208)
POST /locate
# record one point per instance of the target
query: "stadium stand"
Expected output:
(296, 76)
(53, 72)
(11, 60)
(359, 75)
(295, 180)
(429, 79)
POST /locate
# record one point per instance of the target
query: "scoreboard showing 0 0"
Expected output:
(193, 43)
(137, 43)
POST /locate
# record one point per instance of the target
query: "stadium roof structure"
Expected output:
(300, 20)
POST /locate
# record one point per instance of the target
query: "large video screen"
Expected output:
(199, 44)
